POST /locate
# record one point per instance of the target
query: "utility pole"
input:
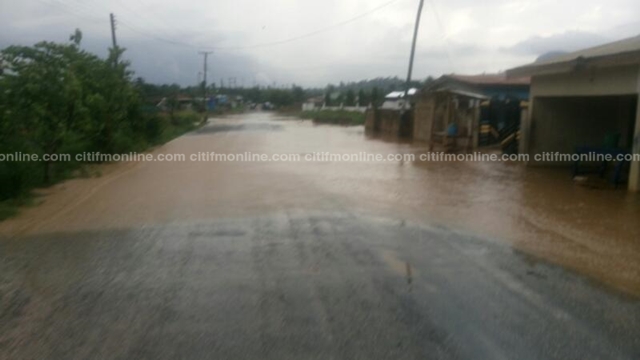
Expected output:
(112, 19)
(413, 51)
(204, 81)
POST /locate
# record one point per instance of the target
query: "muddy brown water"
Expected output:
(540, 212)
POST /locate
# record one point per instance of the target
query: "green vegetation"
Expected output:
(9, 208)
(171, 126)
(335, 117)
(59, 99)
(278, 97)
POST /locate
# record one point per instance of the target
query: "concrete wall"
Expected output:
(390, 122)
(424, 113)
(431, 115)
(589, 82)
(371, 122)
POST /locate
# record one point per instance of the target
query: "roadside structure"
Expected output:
(394, 118)
(313, 103)
(396, 100)
(467, 111)
(585, 101)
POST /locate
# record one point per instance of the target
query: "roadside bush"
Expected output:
(335, 117)
(56, 98)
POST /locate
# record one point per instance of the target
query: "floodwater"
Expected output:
(324, 259)
(538, 211)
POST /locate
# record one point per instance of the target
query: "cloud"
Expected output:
(564, 42)
(462, 36)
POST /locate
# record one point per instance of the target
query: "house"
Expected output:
(313, 103)
(586, 99)
(470, 110)
(395, 100)
(495, 86)
(180, 102)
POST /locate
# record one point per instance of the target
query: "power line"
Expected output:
(447, 44)
(79, 6)
(319, 31)
(267, 44)
(161, 39)
(145, 15)
(63, 7)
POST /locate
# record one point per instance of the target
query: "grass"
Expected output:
(181, 123)
(334, 117)
(10, 207)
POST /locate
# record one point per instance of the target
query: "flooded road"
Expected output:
(320, 259)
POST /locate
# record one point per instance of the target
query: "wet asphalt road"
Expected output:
(298, 283)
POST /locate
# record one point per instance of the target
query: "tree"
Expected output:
(363, 100)
(327, 95)
(375, 97)
(350, 98)
(298, 94)
(61, 99)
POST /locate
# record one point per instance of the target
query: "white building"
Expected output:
(395, 100)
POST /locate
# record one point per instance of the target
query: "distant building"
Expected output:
(182, 102)
(396, 100)
(313, 103)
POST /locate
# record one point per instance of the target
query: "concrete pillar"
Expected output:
(634, 173)
(525, 115)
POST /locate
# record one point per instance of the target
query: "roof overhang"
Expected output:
(551, 67)
(468, 94)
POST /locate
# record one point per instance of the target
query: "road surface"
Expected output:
(236, 260)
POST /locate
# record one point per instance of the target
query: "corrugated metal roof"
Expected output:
(614, 50)
(400, 94)
(617, 47)
(490, 79)
(465, 93)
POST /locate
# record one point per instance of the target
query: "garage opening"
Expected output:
(567, 124)
(564, 123)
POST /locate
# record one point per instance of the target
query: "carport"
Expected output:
(585, 99)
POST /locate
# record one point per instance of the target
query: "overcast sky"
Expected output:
(312, 42)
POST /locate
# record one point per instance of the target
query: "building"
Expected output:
(494, 86)
(467, 111)
(586, 99)
(395, 100)
(313, 103)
